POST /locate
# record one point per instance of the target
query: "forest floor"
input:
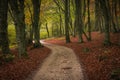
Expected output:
(19, 69)
(100, 62)
(62, 64)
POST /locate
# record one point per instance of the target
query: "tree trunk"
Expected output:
(31, 26)
(112, 14)
(18, 14)
(105, 10)
(97, 14)
(116, 16)
(84, 9)
(4, 26)
(60, 25)
(36, 18)
(70, 19)
(60, 18)
(47, 30)
(74, 22)
(89, 24)
(78, 18)
(67, 21)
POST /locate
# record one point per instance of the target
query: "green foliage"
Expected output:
(43, 34)
(43, 31)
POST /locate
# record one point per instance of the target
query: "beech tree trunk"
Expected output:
(67, 21)
(17, 7)
(78, 19)
(36, 18)
(47, 30)
(89, 23)
(4, 41)
(106, 15)
(31, 26)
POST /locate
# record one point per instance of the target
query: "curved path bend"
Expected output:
(61, 64)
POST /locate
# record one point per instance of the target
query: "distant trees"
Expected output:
(30, 32)
(70, 17)
(98, 17)
(106, 17)
(82, 18)
(60, 22)
(47, 30)
(64, 7)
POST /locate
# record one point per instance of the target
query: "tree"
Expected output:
(30, 36)
(60, 18)
(89, 23)
(36, 18)
(47, 29)
(17, 8)
(78, 19)
(106, 15)
(97, 12)
(66, 21)
(4, 41)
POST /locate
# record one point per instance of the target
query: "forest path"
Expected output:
(61, 64)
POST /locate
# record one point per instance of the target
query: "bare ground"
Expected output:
(62, 64)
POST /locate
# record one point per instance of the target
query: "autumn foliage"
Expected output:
(19, 69)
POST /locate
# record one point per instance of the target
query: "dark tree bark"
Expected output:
(70, 19)
(84, 9)
(17, 7)
(36, 18)
(60, 25)
(89, 23)
(106, 15)
(78, 19)
(111, 14)
(60, 20)
(74, 22)
(4, 26)
(67, 21)
(47, 30)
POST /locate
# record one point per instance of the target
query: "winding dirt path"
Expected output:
(61, 64)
